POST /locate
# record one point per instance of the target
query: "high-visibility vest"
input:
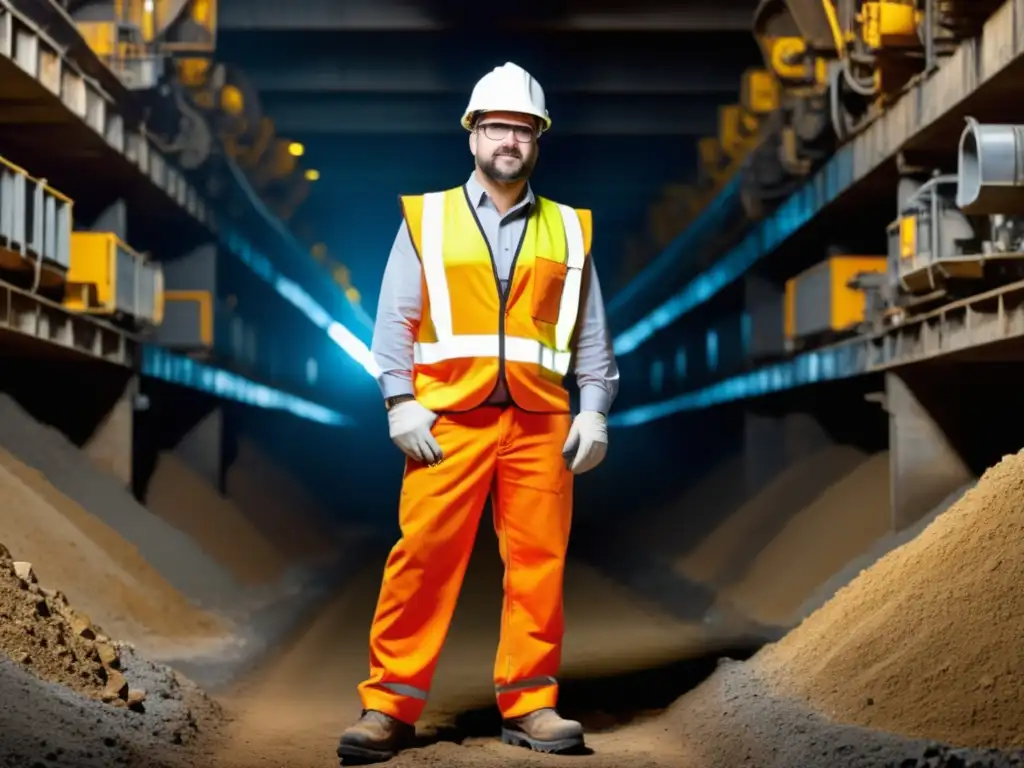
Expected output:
(470, 335)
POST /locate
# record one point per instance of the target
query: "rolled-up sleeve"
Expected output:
(398, 315)
(597, 373)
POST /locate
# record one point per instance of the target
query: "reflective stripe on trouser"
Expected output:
(519, 455)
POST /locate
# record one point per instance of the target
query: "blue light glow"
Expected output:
(708, 223)
(833, 179)
(295, 295)
(162, 364)
(839, 362)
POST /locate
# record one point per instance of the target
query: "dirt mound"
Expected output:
(728, 550)
(40, 631)
(101, 573)
(74, 475)
(815, 544)
(279, 506)
(734, 719)
(926, 641)
(186, 501)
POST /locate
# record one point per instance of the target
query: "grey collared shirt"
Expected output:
(400, 305)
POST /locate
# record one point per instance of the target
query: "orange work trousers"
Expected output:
(516, 457)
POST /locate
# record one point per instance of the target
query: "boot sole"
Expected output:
(520, 739)
(364, 755)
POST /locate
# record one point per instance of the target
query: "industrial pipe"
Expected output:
(991, 169)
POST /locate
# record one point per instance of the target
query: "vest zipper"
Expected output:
(502, 294)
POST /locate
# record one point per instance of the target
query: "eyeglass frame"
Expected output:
(506, 129)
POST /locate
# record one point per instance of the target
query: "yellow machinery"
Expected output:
(108, 278)
(189, 321)
(799, 61)
(739, 127)
(148, 44)
(797, 135)
(137, 38)
(719, 157)
(164, 50)
(821, 303)
(874, 48)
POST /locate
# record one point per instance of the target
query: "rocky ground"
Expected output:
(73, 696)
(914, 663)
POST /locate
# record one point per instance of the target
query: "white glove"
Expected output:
(587, 443)
(409, 424)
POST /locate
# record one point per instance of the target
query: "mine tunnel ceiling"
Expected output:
(376, 67)
(375, 88)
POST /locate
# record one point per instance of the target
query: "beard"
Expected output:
(506, 165)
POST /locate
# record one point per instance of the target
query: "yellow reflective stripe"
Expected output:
(433, 264)
(517, 350)
(523, 685)
(568, 308)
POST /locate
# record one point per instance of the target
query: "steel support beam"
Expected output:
(298, 117)
(397, 15)
(425, 77)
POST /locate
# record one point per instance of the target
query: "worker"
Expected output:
(488, 294)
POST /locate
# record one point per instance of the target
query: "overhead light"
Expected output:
(312, 174)
(296, 149)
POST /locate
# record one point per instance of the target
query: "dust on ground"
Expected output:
(292, 711)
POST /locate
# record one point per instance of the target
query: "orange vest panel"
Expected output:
(470, 335)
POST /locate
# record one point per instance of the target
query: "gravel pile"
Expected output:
(74, 697)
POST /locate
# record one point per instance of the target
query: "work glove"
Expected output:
(587, 443)
(409, 424)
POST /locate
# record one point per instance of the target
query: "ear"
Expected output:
(472, 143)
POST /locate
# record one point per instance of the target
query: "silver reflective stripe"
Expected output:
(450, 346)
(405, 690)
(517, 350)
(432, 236)
(523, 685)
(569, 306)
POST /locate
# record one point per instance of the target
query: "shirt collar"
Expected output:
(479, 197)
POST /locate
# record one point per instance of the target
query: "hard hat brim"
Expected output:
(467, 119)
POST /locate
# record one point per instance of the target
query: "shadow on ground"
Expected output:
(602, 703)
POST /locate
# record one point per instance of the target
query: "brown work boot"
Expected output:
(374, 738)
(543, 730)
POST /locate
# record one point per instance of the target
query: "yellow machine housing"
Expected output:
(189, 320)
(108, 277)
(759, 93)
(819, 301)
(137, 35)
(784, 50)
(889, 24)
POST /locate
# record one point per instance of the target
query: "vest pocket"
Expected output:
(548, 283)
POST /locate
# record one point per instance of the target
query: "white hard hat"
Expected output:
(508, 88)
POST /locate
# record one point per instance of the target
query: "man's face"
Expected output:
(505, 145)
